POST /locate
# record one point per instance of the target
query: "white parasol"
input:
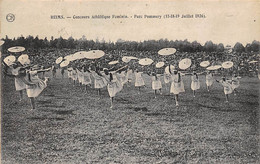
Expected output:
(185, 63)
(167, 51)
(215, 67)
(159, 64)
(59, 60)
(204, 63)
(69, 57)
(80, 55)
(113, 62)
(64, 63)
(145, 61)
(16, 49)
(227, 64)
(254, 61)
(94, 54)
(9, 60)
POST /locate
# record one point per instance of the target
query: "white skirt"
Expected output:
(86, 80)
(35, 89)
(228, 90)
(113, 88)
(100, 83)
(209, 82)
(195, 85)
(167, 78)
(156, 84)
(19, 84)
(139, 82)
(177, 88)
(74, 77)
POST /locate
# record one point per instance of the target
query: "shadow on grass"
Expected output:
(45, 118)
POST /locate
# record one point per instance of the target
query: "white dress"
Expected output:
(139, 81)
(70, 72)
(74, 75)
(18, 82)
(167, 77)
(36, 85)
(227, 86)
(195, 83)
(114, 86)
(129, 75)
(86, 80)
(122, 78)
(79, 76)
(177, 85)
(156, 83)
(99, 81)
(209, 79)
(235, 83)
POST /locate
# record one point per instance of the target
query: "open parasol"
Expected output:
(227, 64)
(185, 63)
(113, 62)
(80, 55)
(159, 64)
(167, 51)
(94, 54)
(64, 63)
(9, 60)
(204, 63)
(16, 49)
(145, 61)
(254, 61)
(59, 60)
(215, 67)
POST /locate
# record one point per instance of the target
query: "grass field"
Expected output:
(72, 126)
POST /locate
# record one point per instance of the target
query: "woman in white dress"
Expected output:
(235, 83)
(156, 84)
(99, 80)
(13, 71)
(195, 83)
(79, 76)
(139, 81)
(209, 79)
(34, 85)
(227, 85)
(177, 85)
(74, 75)
(129, 75)
(86, 77)
(113, 85)
(167, 75)
(70, 72)
(122, 77)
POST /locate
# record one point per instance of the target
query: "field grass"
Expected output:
(72, 126)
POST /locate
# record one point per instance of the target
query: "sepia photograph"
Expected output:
(126, 82)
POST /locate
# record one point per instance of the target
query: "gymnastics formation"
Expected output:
(117, 73)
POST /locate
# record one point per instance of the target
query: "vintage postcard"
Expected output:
(162, 81)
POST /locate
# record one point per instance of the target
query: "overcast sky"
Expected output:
(225, 22)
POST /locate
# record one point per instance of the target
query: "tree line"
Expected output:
(31, 42)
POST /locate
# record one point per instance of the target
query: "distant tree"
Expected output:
(209, 46)
(255, 46)
(220, 48)
(239, 47)
(248, 48)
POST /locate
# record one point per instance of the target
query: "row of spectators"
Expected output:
(242, 65)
